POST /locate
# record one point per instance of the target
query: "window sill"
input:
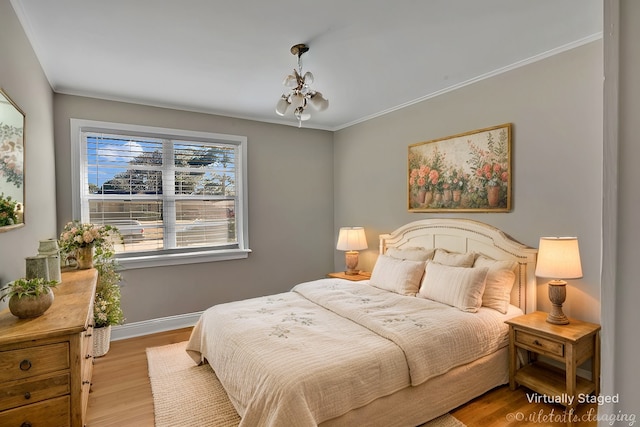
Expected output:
(149, 261)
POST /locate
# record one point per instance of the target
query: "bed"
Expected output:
(424, 335)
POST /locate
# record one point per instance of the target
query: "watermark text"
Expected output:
(551, 415)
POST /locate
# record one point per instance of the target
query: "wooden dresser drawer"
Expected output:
(539, 344)
(49, 413)
(33, 390)
(32, 361)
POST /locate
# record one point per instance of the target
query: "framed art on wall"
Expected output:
(469, 172)
(12, 193)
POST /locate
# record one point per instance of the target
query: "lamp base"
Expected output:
(557, 318)
(351, 260)
(557, 295)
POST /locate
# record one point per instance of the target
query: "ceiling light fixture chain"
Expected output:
(300, 95)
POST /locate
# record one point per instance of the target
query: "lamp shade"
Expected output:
(297, 100)
(559, 258)
(351, 239)
(290, 81)
(281, 106)
(308, 78)
(318, 102)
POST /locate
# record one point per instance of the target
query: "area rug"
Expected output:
(181, 390)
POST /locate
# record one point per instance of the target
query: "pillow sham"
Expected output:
(454, 259)
(500, 280)
(459, 287)
(397, 275)
(413, 253)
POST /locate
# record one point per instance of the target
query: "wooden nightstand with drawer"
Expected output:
(46, 363)
(571, 344)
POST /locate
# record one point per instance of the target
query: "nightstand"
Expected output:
(362, 275)
(571, 344)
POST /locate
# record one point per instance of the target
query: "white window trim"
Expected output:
(131, 262)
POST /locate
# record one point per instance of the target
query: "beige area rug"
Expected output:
(188, 395)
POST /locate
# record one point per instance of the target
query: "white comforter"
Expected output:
(329, 346)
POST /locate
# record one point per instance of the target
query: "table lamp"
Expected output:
(351, 239)
(558, 259)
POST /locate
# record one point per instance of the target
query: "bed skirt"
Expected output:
(434, 398)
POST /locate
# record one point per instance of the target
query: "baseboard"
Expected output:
(147, 327)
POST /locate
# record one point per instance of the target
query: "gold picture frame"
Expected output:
(468, 172)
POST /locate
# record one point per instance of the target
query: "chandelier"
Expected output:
(301, 95)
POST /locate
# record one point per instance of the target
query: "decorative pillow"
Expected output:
(460, 287)
(396, 275)
(411, 253)
(454, 259)
(500, 280)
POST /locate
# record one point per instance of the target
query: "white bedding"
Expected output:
(330, 346)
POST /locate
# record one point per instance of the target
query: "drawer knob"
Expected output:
(538, 343)
(27, 395)
(25, 365)
(26, 424)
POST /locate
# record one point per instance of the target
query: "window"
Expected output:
(176, 196)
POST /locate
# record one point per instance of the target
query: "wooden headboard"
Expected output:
(462, 235)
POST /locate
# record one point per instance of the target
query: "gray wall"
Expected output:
(290, 210)
(23, 80)
(555, 106)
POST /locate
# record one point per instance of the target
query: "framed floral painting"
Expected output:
(469, 172)
(11, 164)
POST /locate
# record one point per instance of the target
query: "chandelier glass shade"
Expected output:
(300, 95)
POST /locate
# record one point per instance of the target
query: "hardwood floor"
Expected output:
(121, 393)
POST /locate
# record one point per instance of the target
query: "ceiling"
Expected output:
(368, 57)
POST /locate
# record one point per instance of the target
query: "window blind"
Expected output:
(163, 194)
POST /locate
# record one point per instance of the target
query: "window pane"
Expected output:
(123, 165)
(204, 169)
(129, 181)
(205, 223)
(139, 222)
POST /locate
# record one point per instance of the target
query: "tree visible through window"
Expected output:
(166, 193)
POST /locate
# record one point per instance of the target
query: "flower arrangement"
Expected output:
(8, 215)
(106, 309)
(78, 235)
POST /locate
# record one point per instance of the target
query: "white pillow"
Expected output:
(459, 287)
(500, 280)
(454, 259)
(411, 253)
(396, 275)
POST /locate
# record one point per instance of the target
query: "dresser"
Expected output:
(46, 363)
